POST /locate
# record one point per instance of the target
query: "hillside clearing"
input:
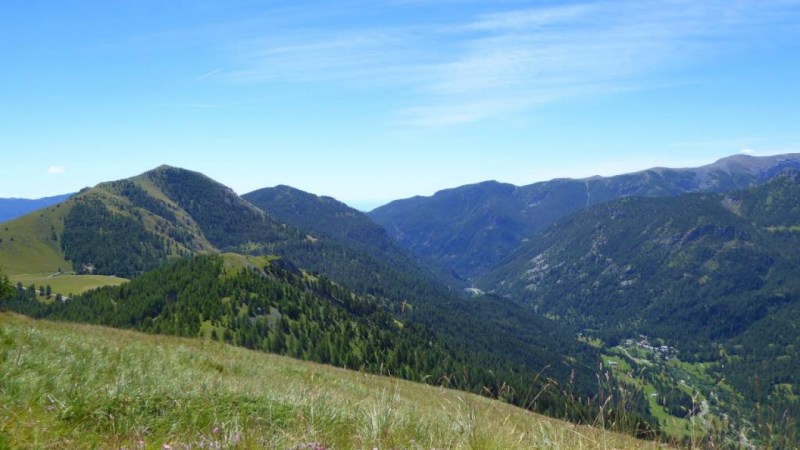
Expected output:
(67, 283)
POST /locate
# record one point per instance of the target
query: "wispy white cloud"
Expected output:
(527, 19)
(476, 67)
(592, 48)
(56, 169)
(208, 74)
(364, 57)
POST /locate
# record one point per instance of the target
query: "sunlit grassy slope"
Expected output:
(78, 386)
(30, 243)
(30, 253)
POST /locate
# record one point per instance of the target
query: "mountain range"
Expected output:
(722, 265)
(570, 281)
(470, 229)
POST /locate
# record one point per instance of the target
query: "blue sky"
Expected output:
(371, 101)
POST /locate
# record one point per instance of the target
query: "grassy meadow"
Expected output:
(67, 283)
(66, 385)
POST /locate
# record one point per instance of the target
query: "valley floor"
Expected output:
(66, 385)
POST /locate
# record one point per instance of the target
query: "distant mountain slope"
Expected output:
(470, 229)
(712, 274)
(320, 214)
(228, 222)
(11, 208)
(329, 219)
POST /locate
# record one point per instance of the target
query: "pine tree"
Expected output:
(6, 289)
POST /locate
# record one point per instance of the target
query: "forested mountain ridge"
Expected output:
(470, 229)
(128, 226)
(320, 214)
(714, 275)
(176, 212)
(327, 218)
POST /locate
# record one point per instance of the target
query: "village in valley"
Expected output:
(643, 342)
(678, 392)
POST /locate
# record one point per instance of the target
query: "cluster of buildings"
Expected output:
(665, 351)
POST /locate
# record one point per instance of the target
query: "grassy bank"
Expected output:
(77, 386)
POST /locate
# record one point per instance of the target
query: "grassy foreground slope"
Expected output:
(80, 386)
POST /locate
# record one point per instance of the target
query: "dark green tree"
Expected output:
(6, 289)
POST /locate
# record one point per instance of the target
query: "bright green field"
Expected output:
(78, 386)
(67, 284)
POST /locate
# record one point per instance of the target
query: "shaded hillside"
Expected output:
(470, 229)
(226, 220)
(11, 208)
(321, 215)
(714, 275)
(335, 222)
